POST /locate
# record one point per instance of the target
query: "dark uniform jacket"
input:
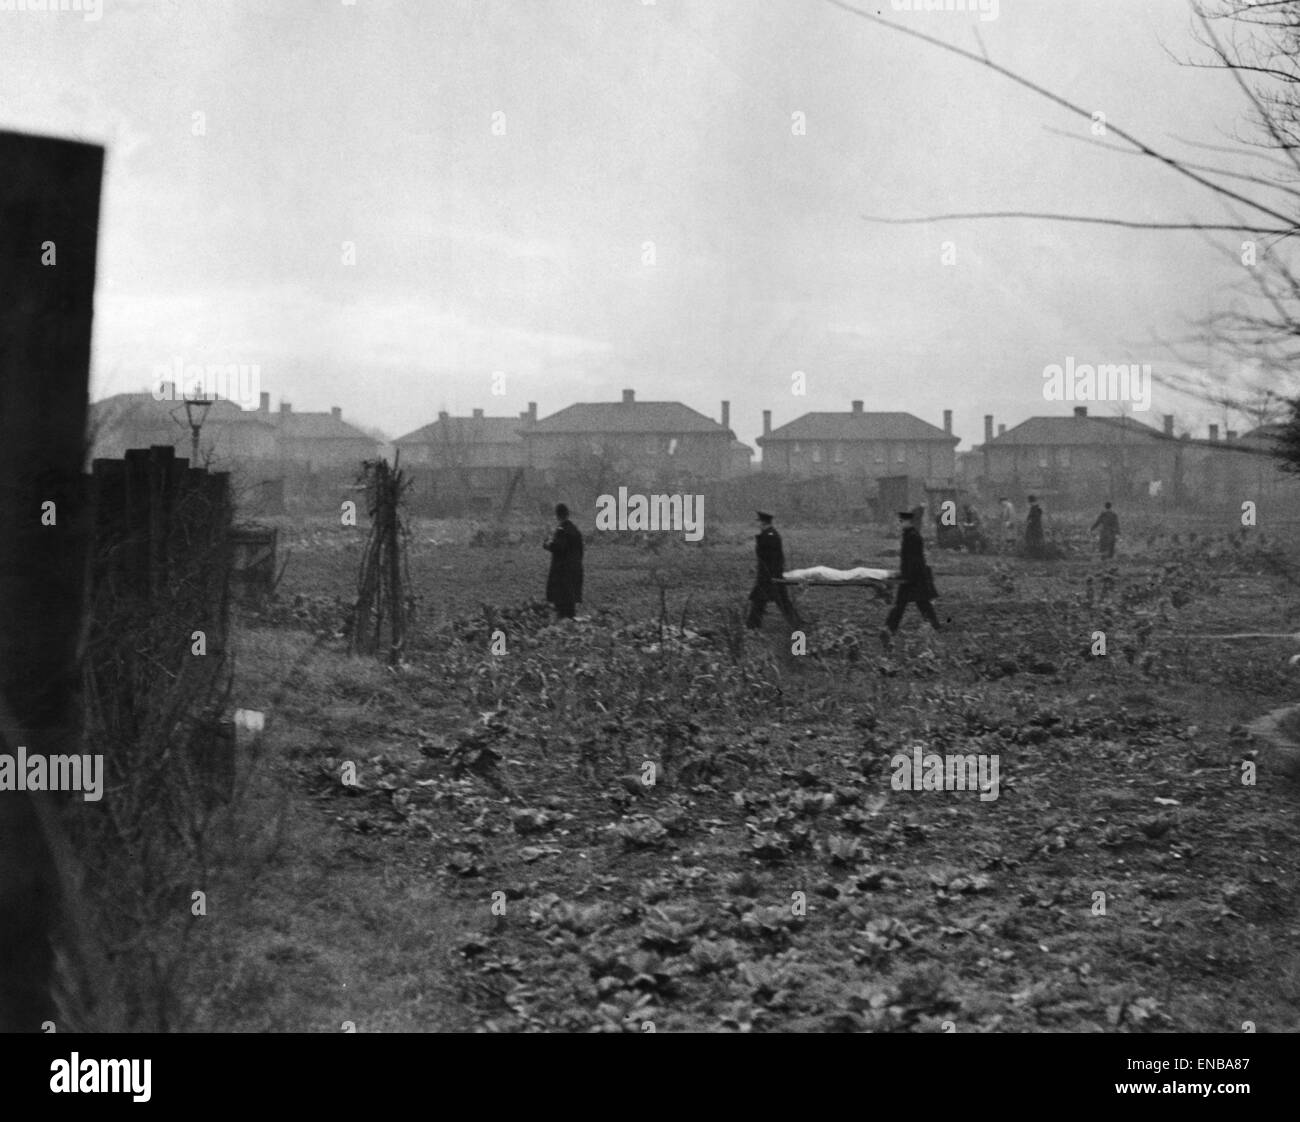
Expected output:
(1108, 521)
(1034, 525)
(564, 581)
(771, 563)
(912, 569)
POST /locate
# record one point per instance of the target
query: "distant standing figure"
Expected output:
(1007, 513)
(917, 586)
(564, 581)
(771, 568)
(1034, 529)
(1108, 523)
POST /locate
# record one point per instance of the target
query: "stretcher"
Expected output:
(881, 581)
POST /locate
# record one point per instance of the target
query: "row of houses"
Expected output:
(483, 458)
(230, 438)
(1074, 454)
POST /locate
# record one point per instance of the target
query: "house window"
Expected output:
(672, 446)
(817, 454)
(652, 445)
(1042, 458)
(839, 453)
(1063, 457)
(797, 449)
(901, 454)
(880, 453)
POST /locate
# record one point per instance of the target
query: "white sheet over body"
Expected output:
(822, 574)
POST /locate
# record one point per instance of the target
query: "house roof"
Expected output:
(468, 430)
(858, 426)
(318, 426)
(143, 409)
(1265, 432)
(1038, 431)
(668, 417)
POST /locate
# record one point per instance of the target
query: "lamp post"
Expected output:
(197, 405)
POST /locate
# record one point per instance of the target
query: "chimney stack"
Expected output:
(767, 422)
(285, 408)
(1002, 428)
(265, 405)
(1214, 432)
(988, 427)
(442, 415)
(726, 414)
(629, 396)
(947, 422)
(1231, 434)
(1080, 410)
(336, 413)
(478, 414)
(1169, 424)
(857, 407)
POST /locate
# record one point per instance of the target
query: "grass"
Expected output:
(497, 866)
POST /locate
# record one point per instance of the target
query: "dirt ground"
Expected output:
(499, 862)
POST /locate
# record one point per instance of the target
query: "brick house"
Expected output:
(316, 442)
(1116, 456)
(469, 442)
(643, 441)
(859, 446)
(463, 464)
(230, 438)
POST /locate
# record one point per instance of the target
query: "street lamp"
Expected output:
(196, 412)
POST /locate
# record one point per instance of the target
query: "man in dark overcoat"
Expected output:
(916, 585)
(564, 581)
(771, 568)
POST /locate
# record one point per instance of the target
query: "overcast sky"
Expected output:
(625, 123)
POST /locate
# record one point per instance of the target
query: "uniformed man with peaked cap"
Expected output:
(771, 568)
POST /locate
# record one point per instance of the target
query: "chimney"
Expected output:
(857, 407)
(478, 414)
(726, 414)
(1080, 410)
(532, 411)
(988, 427)
(265, 406)
(629, 396)
(1231, 434)
(443, 414)
(1169, 424)
(336, 413)
(1214, 432)
(1002, 428)
(767, 422)
(285, 408)
(947, 422)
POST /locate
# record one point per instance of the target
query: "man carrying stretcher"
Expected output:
(916, 584)
(771, 570)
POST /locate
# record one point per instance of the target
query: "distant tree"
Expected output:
(1286, 444)
(586, 470)
(1254, 340)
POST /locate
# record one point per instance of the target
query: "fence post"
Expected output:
(49, 221)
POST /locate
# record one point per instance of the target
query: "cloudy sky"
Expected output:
(589, 195)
